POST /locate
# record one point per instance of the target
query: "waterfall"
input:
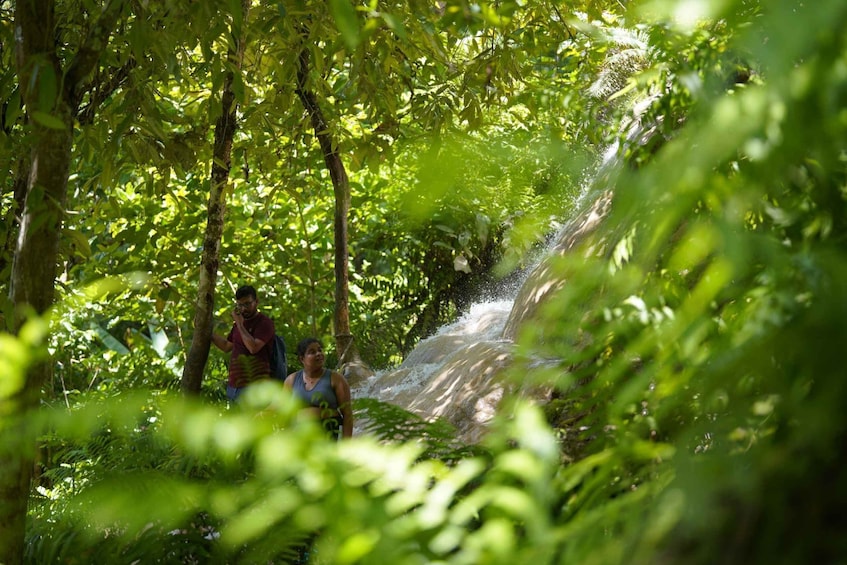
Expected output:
(456, 374)
(453, 373)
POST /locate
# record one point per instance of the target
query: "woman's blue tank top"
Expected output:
(321, 396)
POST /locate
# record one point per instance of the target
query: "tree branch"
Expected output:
(89, 52)
(103, 90)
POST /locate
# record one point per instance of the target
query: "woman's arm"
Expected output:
(342, 393)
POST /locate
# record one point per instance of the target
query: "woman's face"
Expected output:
(314, 356)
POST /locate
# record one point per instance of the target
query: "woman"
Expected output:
(325, 392)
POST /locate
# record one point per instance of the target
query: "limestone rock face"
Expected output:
(543, 281)
(466, 389)
(355, 372)
(455, 374)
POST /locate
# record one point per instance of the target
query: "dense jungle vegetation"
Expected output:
(156, 155)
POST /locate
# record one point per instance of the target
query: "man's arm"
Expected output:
(221, 342)
(252, 344)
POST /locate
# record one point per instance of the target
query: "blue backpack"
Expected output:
(279, 359)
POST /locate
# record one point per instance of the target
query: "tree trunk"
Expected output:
(31, 291)
(51, 97)
(198, 353)
(345, 346)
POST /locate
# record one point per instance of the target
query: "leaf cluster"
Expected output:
(693, 351)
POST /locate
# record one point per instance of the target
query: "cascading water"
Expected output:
(455, 374)
(451, 374)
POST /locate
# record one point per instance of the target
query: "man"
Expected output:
(248, 343)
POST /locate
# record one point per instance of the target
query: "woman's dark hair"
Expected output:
(305, 343)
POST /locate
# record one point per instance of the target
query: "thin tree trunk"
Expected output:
(32, 287)
(344, 343)
(198, 353)
(13, 214)
(52, 97)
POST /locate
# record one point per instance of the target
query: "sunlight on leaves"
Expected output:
(15, 357)
(346, 20)
(357, 546)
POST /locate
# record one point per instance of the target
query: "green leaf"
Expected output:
(47, 90)
(109, 340)
(346, 21)
(158, 339)
(238, 87)
(15, 357)
(13, 108)
(48, 120)
(79, 241)
(395, 25)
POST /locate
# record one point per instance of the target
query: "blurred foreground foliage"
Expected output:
(694, 355)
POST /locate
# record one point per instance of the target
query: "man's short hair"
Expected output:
(245, 291)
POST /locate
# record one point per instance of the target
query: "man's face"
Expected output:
(247, 306)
